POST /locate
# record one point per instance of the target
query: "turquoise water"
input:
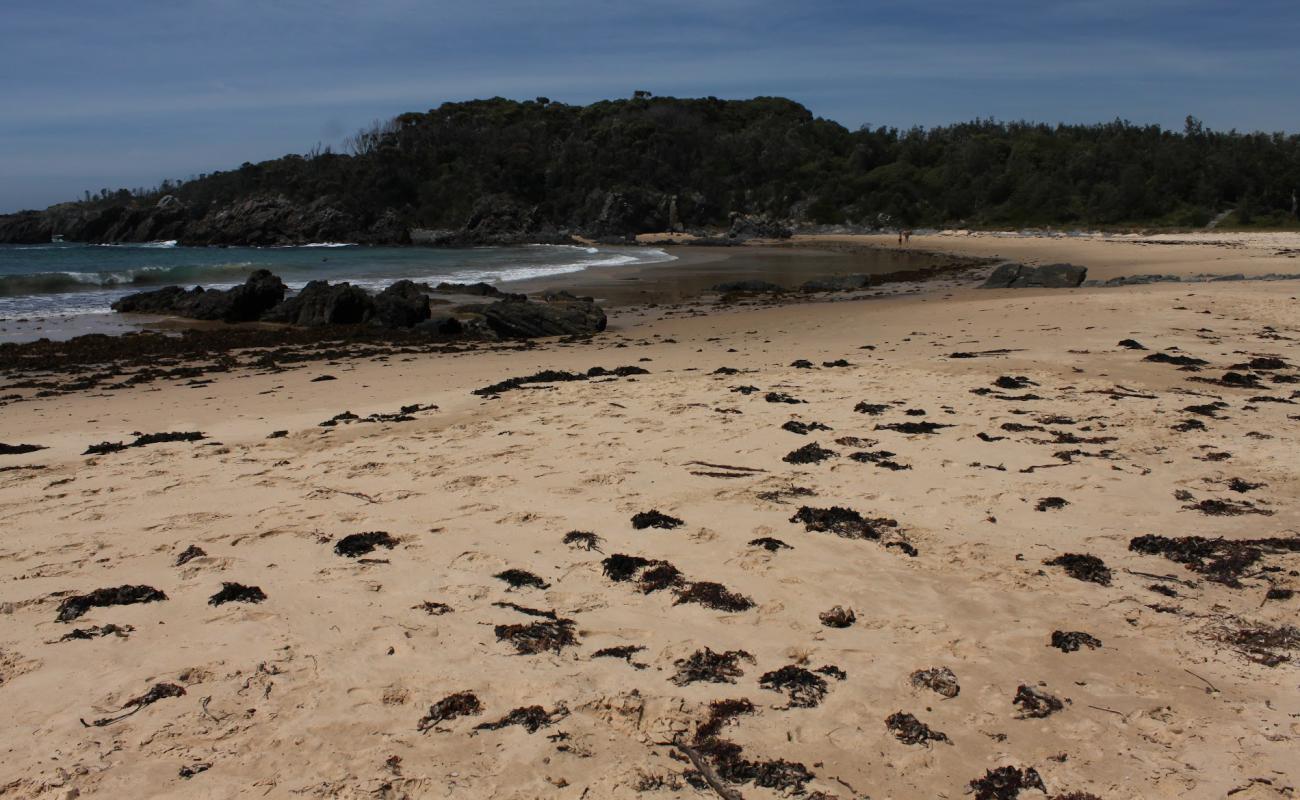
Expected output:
(77, 279)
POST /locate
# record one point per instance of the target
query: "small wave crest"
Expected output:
(64, 282)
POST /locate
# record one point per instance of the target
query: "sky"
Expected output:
(95, 94)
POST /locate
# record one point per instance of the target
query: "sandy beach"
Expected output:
(997, 484)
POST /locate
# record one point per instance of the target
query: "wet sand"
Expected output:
(1002, 451)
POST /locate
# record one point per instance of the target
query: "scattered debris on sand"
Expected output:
(558, 376)
(97, 631)
(460, 704)
(143, 440)
(159, 691)
(77, 605)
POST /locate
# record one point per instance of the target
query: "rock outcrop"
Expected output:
(404, 305)
(258, 295)
(1011, 275)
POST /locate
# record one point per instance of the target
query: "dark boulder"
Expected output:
(402, 305)
(511, 319)
(320, 303)
(441, 325)
(1050, 276)
(260, 293)
(479, 289)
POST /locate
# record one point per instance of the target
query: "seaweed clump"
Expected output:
(538, 637)
(706, 666)
(519, 578)
(189, 554)
(803, 688)
(159, 691)
(910, 730)
(912, 428)
(1073, 640)
(811, 453)
(1219, 560)
(838, 617)
(1006, 783)
(937, 679)
(460, 704)
(769, 544)
(713, 595)
(1083, 567)
(143, 440)
(78, 604)
(236, 593)
(530, 718)
(654, 519)
(1035, 703)
(582, 540)
(358, 544)
(843, 522)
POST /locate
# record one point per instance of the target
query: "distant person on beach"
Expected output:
(907, 236)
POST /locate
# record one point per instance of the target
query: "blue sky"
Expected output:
(97, 94)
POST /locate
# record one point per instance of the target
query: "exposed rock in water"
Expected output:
(258, 295)
(402, 305)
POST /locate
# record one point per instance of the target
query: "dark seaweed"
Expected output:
(460, 704)
(1035, 703)
(159, 691)
(803, 428)
(143, 440)
(1073, 640)
(77, 605)
(189, 554)
(769, 544)
(95, 632)
(539, 637)
(1181, 361)
(358, 544)
(937, 679)
(871, 408)
(843, 522)
(1084, 567)
(620, 567)
(236, 593)
(911, 428)
(810, 453)
(838, 617)
(781, 397)
(910, 730)
(713, 595)
(19, 449)
(1006, 783)
(1219, 560)
(519, 578)
(530, 718)
(582, 540)
(654, 519)
(706, 666)
(805, 689)
(1051, 503)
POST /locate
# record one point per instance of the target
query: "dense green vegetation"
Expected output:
(769, 156)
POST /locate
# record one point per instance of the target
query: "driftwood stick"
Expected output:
(711, 776)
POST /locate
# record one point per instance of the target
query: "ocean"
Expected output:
(72, 280)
